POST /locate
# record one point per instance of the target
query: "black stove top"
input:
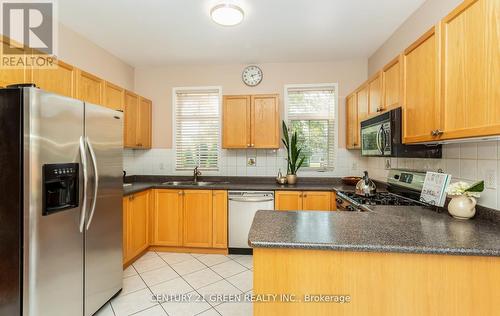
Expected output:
(382, 198)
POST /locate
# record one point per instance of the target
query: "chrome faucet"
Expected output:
(196, 173)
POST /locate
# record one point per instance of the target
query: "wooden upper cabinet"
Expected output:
(167, 222)
(362, 103)
(471, 70)
(89, 87)
(250, 121)
(421, 111)
(198, 218)
(13, 76)
(131, 115)
(352, 128)
(316, 201)
(114, 96)
(265, 121)
(375, 94)
(236, 121)
(288, 200)
(219, 219)
(392, 77)
(144, 123)
(60, 80)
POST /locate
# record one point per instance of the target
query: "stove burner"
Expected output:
(381, 198)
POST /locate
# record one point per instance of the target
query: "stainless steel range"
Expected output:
(404, 187)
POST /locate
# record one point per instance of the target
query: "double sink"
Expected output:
(187, 183)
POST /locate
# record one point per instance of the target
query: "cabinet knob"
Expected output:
(305, 195)
(248, 145)
(180, 192)
(251, 145)
(437, 132)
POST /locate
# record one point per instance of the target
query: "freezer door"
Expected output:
(53, 243)
(103, 236)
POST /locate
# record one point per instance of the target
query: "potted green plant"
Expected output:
(294, 160)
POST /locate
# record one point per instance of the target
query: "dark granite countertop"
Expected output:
(142, 183)
(407, 229)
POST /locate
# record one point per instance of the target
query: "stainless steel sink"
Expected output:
(192, 183)
(127, 185)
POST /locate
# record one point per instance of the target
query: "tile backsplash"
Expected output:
(465, 161)
(235, 163)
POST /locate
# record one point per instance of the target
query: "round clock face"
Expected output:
(252, 76)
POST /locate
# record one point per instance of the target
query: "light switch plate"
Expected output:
(387, 163)
(251, 161)
(490, 181)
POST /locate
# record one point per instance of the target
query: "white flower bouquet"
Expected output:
(463, 188)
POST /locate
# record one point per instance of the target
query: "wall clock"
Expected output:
(252, 75)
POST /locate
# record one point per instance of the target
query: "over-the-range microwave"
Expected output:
(381, 136)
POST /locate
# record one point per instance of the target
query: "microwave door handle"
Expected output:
(379, 147)
(96, 182)
(83, 158)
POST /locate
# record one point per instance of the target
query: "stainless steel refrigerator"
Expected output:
(60, 204)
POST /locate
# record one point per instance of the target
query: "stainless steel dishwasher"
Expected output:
(242, 207)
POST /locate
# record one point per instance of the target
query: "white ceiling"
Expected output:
(161, 32)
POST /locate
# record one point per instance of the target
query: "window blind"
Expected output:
(311, 113)
(197, 129)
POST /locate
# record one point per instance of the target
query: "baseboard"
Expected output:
(221, 251)
(129, 262)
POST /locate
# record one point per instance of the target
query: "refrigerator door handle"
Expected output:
(96, 182)
(83, 157)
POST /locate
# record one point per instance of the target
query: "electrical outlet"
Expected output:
(490, 180)
(251, 161)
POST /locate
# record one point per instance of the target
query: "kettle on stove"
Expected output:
(365, 186)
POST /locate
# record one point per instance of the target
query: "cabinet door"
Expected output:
(471, 70)
(114, 96)
(126, 230)
(265, 120)
(89, 87)
(131, 114)
(219, 219)
(13, 76)
(316, 201)
(333, 201)
(375, 94)
(144, 123)
(167, 222)
(198, 218)
(61, 80)
(352, 128)
(139, 210)
(421, 113)
(236, 121)
(288, 200)
(391, 82)
(362, 103)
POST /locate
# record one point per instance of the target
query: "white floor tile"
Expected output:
(202, 278)
(234, 256)
(235, 309)
(132, 284)
(210, 312)
(149, 263)
(132, 303)
(105, 311)
(172, 287)
(129, 271)
(173, 258)
(193, 307)
(158, 276)
(247, 261)
(211, 260)
(212, 291)
(189, 266)
(228, 269)
(243, 281)
(153, 311)
(196, 255)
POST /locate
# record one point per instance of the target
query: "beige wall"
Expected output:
(79, 51)
(430, 13)
(157, 84)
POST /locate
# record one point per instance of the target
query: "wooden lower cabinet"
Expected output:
(304, 201)
(189, 218)
(198, 218)
(135, 220)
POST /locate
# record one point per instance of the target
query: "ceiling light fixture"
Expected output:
(227, 14)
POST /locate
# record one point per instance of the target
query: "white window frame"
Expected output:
(334, 86)
(174, 127)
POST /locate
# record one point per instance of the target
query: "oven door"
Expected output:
(376, 139)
